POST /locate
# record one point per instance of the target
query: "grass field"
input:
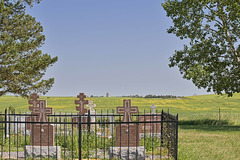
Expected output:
(199, 135)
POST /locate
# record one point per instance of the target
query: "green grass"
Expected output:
(209, 142)
(200, 135)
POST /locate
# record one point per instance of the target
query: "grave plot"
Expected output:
(42, 134)
(127, 136)
(88, 133)
(151, 124)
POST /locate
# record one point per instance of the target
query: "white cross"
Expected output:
(91, 105)
(153, 107)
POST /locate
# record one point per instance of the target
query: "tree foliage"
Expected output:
(211, 59)
(22, 63)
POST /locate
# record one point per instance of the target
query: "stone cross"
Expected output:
(81, 103)
(39, 108)
(42, 111)
(127, 110)
(33, 100)
(153, 107)
(91, 105)
(35, 103)
(41, 134)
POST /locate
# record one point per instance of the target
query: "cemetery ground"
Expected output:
(200, 134)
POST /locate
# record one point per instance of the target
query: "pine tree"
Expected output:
(22, 63)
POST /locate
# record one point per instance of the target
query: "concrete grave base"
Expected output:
(43, 151)
(125, 152)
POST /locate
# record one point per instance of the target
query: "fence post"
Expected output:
(6, 122)
(176, 147)
(80, 137)
(219, 117)
(162, 128)
(88, 120)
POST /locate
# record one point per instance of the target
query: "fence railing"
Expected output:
(92, 136)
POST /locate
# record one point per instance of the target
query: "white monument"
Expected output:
(153, 107)
(90, 105)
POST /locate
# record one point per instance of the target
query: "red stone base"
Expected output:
(150, 127)
(125, 132)
(42, 135)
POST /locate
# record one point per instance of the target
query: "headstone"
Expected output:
(35, 103)
(150, 129)
(153, 107)
(42, 134)
(82, 110)
(127, 136)
(90, 105)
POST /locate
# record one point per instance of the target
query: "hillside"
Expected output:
(189, 108)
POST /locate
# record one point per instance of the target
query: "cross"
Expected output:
(42, 111)
(81, 103)
(153, 107)
(127, 110)
(91, 105)
(34, 101)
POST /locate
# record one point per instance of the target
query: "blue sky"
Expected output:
(115, 46)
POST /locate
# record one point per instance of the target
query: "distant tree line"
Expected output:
(134, 96)
(153, 96)
(96, 96)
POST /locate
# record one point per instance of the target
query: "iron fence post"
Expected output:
(80, 136)
(176, 147)
(88, 120)
(5, 123)
(162, 128)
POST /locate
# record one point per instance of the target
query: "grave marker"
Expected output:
(42, 111)
(153, 107)
(35, 103)
(125, 132)
(127, 136)
(150, 129)
(42, 134)
(82, 110)
(90, 105)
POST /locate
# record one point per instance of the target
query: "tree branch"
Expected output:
(227, 34)
(215, 13)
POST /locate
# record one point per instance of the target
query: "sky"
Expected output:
(116, 46)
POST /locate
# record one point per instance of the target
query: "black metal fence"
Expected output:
(90, 136)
